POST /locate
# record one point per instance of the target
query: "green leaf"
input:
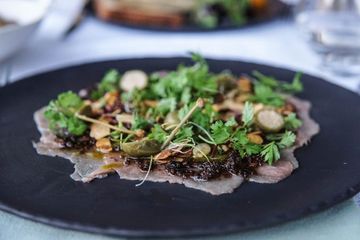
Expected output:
(243, 146)
(76, 126)
(139, 122)
(158, 134)
(266, 80)
(295, 86)
(184, 133)
(292, 122)
(270, 153)
(264, 94)
(165, 106)
(287, 140)
(219, 132)
(247, 114)
(69, 100)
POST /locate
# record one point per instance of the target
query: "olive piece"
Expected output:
(143, 148)
(269, 120)
(201, 150)
(172, 118)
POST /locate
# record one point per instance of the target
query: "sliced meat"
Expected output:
(284, 167)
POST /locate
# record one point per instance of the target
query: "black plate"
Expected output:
(39, 187)
(275, 10)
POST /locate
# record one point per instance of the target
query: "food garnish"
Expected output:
(190, 122)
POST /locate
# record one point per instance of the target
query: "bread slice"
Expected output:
(144, 12)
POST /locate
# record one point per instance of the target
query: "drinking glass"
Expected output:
(332, 29)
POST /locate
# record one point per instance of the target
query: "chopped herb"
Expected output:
(270, 153)
(292, 122)
(158, 134)
(247, 114)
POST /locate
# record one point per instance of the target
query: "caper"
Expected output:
(201, 150)
(143, 148)
(269, 120)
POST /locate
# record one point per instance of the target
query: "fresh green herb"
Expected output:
(184, 133)
(158, 134)
(221, 132)
(264, 94)
(109, 83)
(139, 122)
(295, 86)
(60, 114)
(247, 114)
(287, 140)
(270, 153)
(292, 122)
(242, 144)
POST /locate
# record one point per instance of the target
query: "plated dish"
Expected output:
(328, 172)
(188, 14)
(207, 131)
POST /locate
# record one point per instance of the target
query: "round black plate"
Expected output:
(39, 187)
(275, 10)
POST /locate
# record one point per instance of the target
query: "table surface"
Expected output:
(277, 43)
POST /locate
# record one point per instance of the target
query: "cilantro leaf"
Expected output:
(139, 122)
(266, 80)
(158, 134)
(60, 114)
(264, 94)
(292, 122)
(69, 100)
(166, 105)
(295, 86)
(247, 114)
(109, 83)
(184, 133)
(270, 152)
(287, 140)
(242, 144)
(220, 132)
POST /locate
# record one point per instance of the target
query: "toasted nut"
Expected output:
(111, 97)
(242, 97)
(99, 131)
(124, 118)
(229, 104)
(244, 85)
(150, 103)
(103, 145)
(258, 5)
(258, 107)
(133, 79)
(255, 138)
(287, 109)
(224, 148)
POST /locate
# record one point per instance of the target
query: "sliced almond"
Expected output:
(99, 131)
(125, 118)
(244, 85)
(255, 138)
(111, 98)
(103, 145)
(133, 79)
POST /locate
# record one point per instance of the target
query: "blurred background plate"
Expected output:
(140, 19)
(39, 187)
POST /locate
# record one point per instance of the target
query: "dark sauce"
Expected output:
(206, 170)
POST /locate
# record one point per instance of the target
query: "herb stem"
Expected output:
(138, 133)
(199, 104)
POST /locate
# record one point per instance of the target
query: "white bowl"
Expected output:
(27, 14)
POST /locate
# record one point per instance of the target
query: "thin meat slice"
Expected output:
(288, 163)
(215, 187)
(88, 168)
